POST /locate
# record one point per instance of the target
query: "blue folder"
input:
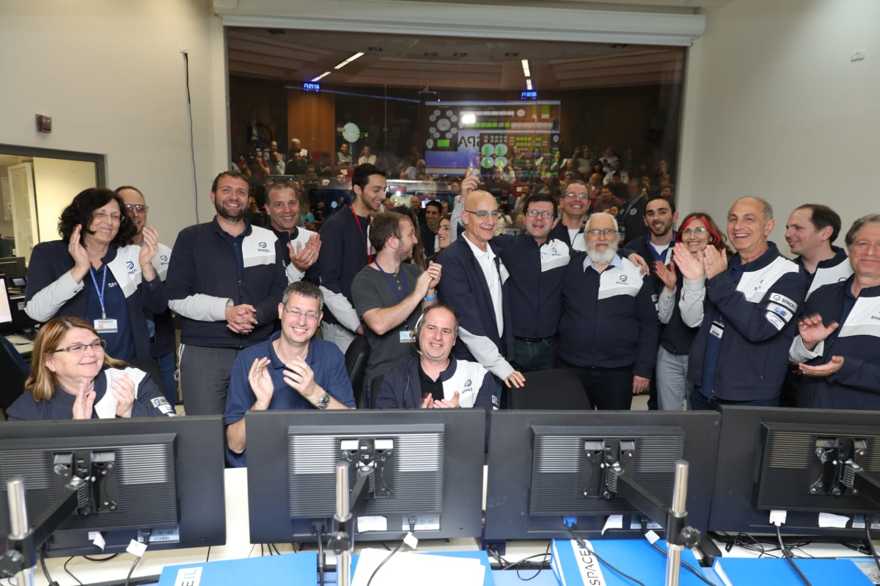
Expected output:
(836, 572)
(295, 568)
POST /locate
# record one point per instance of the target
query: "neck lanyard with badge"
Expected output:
(399, 292)
(103, 325)
(364, 233)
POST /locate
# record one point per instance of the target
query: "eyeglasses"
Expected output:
(297, 314)
(572, 195)
(483, 214)
(605, 233)
(81, 348)
(539, 214)
(136, 208)
(695, 231)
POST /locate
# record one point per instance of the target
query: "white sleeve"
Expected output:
(486, 353)
(341, 308)
(693, 293)
(665, 305)
(294, 275)
(200, 307)
(455, 218)
(47, 301)
(799, 353)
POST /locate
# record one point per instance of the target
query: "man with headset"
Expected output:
(433, 379)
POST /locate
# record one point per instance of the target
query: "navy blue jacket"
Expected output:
(828, 272)
(50, 260)
(857, 384)
(401, 386)
(149, 403)
(754, 304)
(534, 289)
(676, 336)
(608, 319)
(343, 255)
(463, 287)
(632, 219)
(560, 232)
(206, 260)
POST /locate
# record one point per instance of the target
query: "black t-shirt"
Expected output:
(431, 387)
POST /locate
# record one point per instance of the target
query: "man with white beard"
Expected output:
(609, 329)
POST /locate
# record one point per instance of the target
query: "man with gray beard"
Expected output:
(608, 330)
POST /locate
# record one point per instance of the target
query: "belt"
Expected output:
(532, 340)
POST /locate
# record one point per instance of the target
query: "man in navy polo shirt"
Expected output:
(291, 370)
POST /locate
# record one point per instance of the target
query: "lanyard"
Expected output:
(357, 220)
(100, 292)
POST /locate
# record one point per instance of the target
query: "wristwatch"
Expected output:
(323, 401)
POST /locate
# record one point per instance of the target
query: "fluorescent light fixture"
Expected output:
(526, 72)
(349, 60)
(320, 77)
(529, 84)
(468, 118)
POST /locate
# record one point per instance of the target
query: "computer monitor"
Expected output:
(13, 267)
(161, 479)
(5, 307)
(548, 469)
(427, 472)
(802, 461)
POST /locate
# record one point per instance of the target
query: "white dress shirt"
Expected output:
(491, 272)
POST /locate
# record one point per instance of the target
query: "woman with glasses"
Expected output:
(73, 378)
(680, 306)
(94, 274)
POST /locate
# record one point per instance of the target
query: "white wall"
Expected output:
(110, 73)
(774, 107)
(54, 182)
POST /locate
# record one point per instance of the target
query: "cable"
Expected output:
(868, 521)
(789, 557)
(104, 559)
(45, 569)
(137, 560)
(538, 570)
(383, 562)
(687, 566)
(208, 555)
(611, 567)
(320, 555)
(192, 143)
(69, 573)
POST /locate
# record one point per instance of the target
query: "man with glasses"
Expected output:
(574, 205)
(297, 247)
(290, 370)
(536, 262)
(609, 329)
(224, 282)
(473, 285)
(160, 327)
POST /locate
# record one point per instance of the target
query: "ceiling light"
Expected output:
(525, 66)
(349, 60)
(320, 77)
(468, 118)
(529, 84)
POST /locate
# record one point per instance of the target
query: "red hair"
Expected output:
(716, 239)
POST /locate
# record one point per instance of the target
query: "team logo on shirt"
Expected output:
(130, 266)
(163, 258)
(633, 211)
(262, 245)
(468, 383)
(622, 278)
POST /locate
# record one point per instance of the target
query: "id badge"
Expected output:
(105, 326)
(716, 329)
(406, 337)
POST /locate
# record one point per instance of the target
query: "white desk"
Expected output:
(22, 344)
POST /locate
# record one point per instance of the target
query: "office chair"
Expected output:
(553, 389)
(356, 364)
(13, 372)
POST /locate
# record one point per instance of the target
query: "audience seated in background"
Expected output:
(73, 378)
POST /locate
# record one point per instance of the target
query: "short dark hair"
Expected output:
(306, 289)
(539, 197)
(656, 197)
(858, 224)
(82, 209)
(361, 174)
(822, 217)
(435, 204)
(222, 174)
(384, 226)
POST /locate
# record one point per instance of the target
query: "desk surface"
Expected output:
(238, 546)
(22, 344)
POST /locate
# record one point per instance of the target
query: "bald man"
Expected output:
(473, 285)
(740, 354)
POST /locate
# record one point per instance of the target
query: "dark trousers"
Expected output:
(607, 388)
(204, 378)
(533, 354)
(699, 401)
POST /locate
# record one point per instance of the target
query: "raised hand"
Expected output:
(690, 266)
(123, 390)
(822, 370)
(637, 260)
(812, 330)
(148, 250)
(469, 183)
(307, 255)
(665, 274)
(84, 403)
(714, 261)
(453, 403)
(435, 270)
(261, 383)
(300, 377)
(81, 262)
